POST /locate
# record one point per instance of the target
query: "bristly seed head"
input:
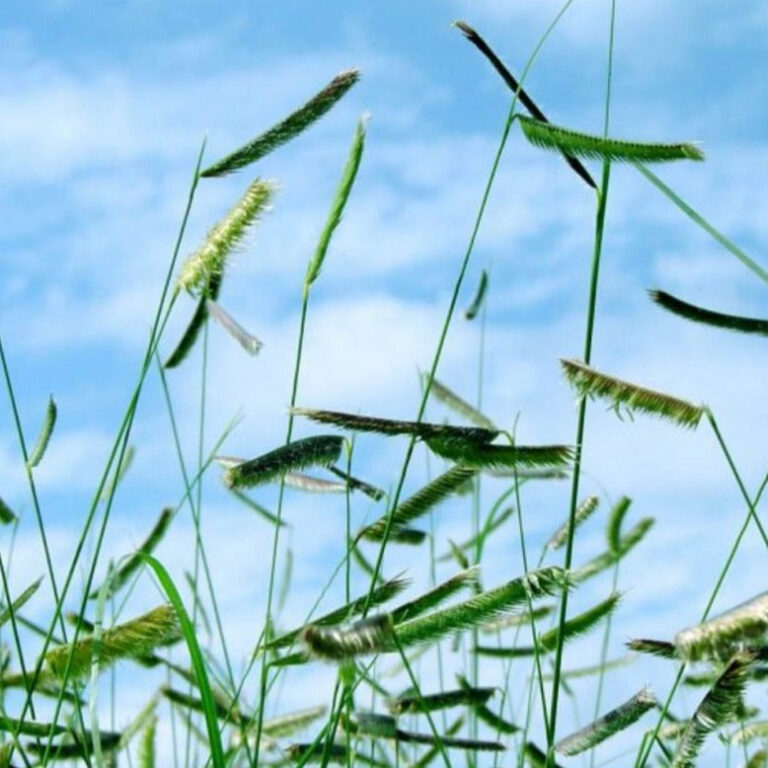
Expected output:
(210, 258)
(371, 635)
(741, 628)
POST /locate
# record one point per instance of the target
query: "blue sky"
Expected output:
(104, 109)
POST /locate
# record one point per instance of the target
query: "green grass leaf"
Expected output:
(7, 612)
(358, 485)
(196, 657)
(189, 337)
(146, 751)
(258, 509)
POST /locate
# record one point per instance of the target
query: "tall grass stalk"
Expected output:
(602, 202)
(115, 458)
(313, 270)
(460, 281)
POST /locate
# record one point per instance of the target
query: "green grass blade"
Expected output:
(130, 565)
(126, 463)
(321, 450)
(287, 129)
(707, 316)
(139, 722)
(49, 422)
(146, 751)
(548, 136)
(196, 657)
(697, 218)
(258, 509)
(474, 541)
(6, 613)
(536, 758)
(189, 337)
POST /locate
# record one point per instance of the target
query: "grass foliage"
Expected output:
(475, 502)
